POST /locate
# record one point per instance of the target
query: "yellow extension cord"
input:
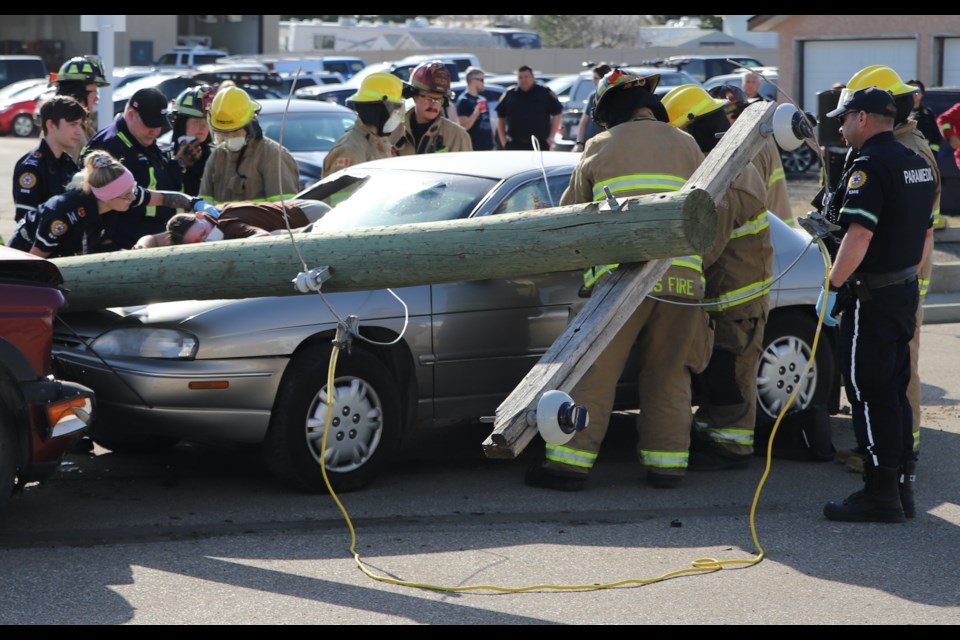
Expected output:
(701, 565)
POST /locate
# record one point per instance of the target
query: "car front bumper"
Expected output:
(226, 401)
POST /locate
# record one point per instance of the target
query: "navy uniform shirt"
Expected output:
(481, 133)
(890, 191)
(528, 113)
(38, 176)
(152, 168)
(61, 226)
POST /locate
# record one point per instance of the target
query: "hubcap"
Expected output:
(781, 371)
(356, 425)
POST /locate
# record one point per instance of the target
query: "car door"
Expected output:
(487, 334)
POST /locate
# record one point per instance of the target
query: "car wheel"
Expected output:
(22, 126)
(365, 430)
(799, 160)
(787, 343)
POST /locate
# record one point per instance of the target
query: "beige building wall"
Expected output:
(793, 30)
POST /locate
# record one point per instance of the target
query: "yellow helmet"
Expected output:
(379, 87)
(877, 75)
(232, 109)
(688, 102)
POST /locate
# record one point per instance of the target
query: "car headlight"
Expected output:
(147, 342)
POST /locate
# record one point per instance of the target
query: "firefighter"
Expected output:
(380, 110)
(738, 271)
(906, 133)
(673, 341)
(767, 161)
(81, 78)
(426, 129)
(246, 165)
(192, 144)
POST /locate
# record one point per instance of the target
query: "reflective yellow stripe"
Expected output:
(751, 227)
(665, 459)
(924, 285)
(591, 275)
(638, 182)
(572, 457)
(151, 211)
(775, 177)
(123, 138)
(732, 436)
(733, 298)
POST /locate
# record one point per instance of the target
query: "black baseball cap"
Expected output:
(870, 100)
(152, 105)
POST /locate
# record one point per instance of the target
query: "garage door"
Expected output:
(951, 62)
(829, 61)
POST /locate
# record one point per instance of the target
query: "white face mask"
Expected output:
(394, 121)
(233, 144)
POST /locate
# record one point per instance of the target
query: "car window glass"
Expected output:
(696, 69)
(535, 195)
(402, 197)
(306, 131)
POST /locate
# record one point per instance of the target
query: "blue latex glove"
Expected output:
(828, 298)
(202, 206)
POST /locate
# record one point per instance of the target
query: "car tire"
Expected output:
(8, 455)
(365, 432)
(22, 126)
(800, 160)
(787, 343)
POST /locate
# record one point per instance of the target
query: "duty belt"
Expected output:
(879, 280)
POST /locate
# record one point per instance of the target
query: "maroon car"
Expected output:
(39, 415)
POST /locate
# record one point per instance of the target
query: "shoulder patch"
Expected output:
(27, 180)
(59, 227)
(342, 162)
(857, 180)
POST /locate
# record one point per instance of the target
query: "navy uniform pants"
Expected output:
(875, 334)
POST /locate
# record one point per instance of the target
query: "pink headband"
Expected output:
(121, 184)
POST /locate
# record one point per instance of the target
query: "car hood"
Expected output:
(263, 327)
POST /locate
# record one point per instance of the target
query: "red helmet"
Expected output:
(431, 76)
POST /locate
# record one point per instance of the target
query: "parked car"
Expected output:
(254, 371)
(311, 129)
(40, 416)
(188, 57)
(16, 68)
(18, 102)
(768, 86)
(705, 67)
(260, 85)
(574, 89)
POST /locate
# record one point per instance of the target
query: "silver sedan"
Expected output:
(255, 370)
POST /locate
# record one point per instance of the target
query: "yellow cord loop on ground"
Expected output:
(699, 566)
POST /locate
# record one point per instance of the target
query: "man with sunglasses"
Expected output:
(472, 111)
(426, 129)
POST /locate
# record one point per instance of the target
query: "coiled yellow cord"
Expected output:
(698, 566)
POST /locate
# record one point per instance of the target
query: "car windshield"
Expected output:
(383, 198)
(308, 131)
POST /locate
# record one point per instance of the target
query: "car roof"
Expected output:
(269, 106)
(489, 164)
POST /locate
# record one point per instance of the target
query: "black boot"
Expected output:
(878, 501)
(908, 474)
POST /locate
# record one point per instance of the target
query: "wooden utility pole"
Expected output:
(499, 246)
(585, 338)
